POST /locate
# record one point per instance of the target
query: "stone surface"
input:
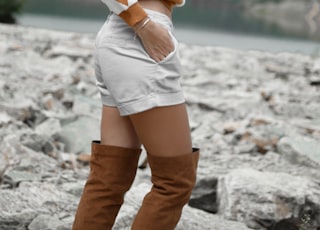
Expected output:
(74, 137)
(14, 177)
(49, 127)
(301, 150)
(251, 196)
(45, 222)
(204, 195)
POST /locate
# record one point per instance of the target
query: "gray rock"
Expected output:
(194, 219)
(49, 127)
(300, 150)
(43, 198)
(17, 221)
(18, 155)
(71, 52)
(13, 177)
(45, 222)
(4, 118)
(307, 124)
(74, 188)
(204, 195)
(245, 147)
(35, 141)
(249, 196)
(315, 80)
(83, 105)
(78, 135)
(20, 110)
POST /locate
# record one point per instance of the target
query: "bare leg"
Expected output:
(164, 131)
(113, 167)
(117, 130)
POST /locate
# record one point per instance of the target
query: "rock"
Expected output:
(230, 127)
(4, 119)
(13, 177)
(17, 221)
(43, 198)
(248, 195)
(35, 141)
(49, 127)
(21, 110)
(85, 158)
(300, 150)
(82, 143)
(72, 52)
(194, 219)
(74, 188)
(204, 195)
(83, 105)
(315, 80)
(49, 102)
(17, 155)
(245, 147)
(45, 222)
(56, 91)
(307, 124)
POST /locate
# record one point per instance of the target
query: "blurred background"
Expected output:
(271, 25)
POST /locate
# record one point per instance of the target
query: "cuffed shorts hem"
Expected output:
(145, 103)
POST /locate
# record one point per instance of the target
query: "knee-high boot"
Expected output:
(112, 171)
(173, 179)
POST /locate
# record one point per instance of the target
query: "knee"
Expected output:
(121, 142)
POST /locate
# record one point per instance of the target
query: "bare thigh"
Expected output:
(117, 130)
(164, 131)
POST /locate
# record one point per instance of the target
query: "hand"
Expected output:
(156, 40)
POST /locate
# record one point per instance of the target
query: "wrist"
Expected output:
(140, 25)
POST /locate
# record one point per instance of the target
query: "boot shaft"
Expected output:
(112, 171)
(173, 179)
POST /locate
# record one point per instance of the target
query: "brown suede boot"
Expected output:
(173, 179)
(113, 170)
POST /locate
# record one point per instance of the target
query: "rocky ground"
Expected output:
(255, 116)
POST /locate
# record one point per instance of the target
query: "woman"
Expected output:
(137, 70)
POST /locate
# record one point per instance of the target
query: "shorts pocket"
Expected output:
(172, 53)
(170, 56)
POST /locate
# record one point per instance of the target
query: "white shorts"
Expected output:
(127, 77)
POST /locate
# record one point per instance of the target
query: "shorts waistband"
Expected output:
(154, 15)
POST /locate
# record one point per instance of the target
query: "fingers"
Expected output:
(156, 40)
(159, 53)
(159, 50)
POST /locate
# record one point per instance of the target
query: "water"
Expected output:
(225, 25)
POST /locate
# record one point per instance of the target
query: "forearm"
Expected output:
(129, 10)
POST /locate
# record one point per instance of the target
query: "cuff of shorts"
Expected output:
(151, 101)
(133, 14)
(108, 101)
